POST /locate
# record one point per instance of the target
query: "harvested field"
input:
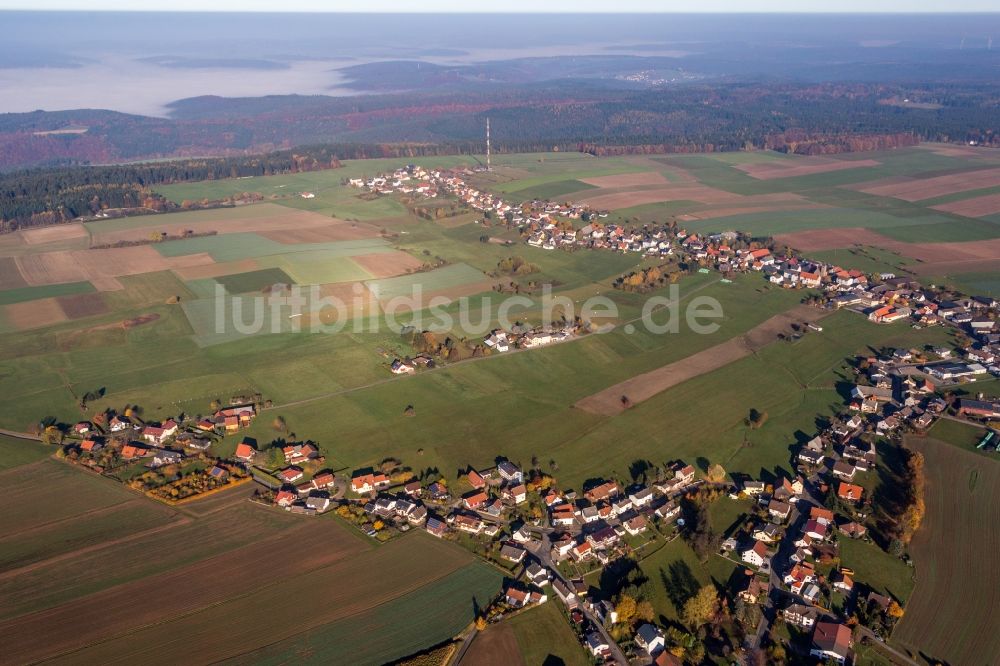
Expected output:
(340, 231)
(10, 274)
(627, 179)
(158, 598)
(450, 293)
(56, 232)
(51, 268)
(106, 284)
(33, 314)
(258, 218)
(743, 210)
(934, 258)
(99, 265)
(205, 271)
(496, 646)
(950, 150)
(117, 262)
(78, 306)
(445, 278)
(950, 616)
(974, 207)
(191, 611)
(800, 167)
(642, 387)
(699, 193)
(917, 189)
(388, 264)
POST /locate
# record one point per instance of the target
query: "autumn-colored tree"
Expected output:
(644, 611)
(480, 623)
(279, 424)
(214, 405)
(52, 435)
(895, 610)
(625, 608)
(716, 473)
(701, 608)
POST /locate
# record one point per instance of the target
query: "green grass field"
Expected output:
(551, 191)
(414, 621)
(16, 452)
(440, 278)
(879, 570)
(544, 636)
(23, 294)
(962, 435)
(242, 283)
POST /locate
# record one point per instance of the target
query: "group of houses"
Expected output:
(415, 180)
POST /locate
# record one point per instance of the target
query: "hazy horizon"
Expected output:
(132, 63)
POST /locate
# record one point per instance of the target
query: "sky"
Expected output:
(514, 6)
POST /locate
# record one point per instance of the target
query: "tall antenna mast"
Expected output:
(489, 167)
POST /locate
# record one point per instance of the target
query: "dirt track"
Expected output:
(643, 387)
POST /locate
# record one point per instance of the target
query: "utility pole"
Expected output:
(489, 167)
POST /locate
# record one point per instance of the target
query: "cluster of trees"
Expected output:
(648, 279)
(699, 533)
(49, 196)
(756, 419)
(913, 514)
(515, 266)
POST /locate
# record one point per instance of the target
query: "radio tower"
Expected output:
(489, 167)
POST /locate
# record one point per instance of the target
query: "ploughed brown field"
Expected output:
(801, 167)
(627, 180)
(918, 189)
(495, 646)
(32, 314)
(388, 264)
(276, 222)
(766, 207)
(273, 587)
(951, 616)
(934, 258)
(56, 232)
(639, 388)
(974, 207)
(685, 192)
(83, 305)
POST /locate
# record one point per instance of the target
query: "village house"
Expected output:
(291, 474)
(850, 492)
(299, 453)
(245, 452)
(364, 482)
(779, 510)
(605, 491)
(512, 553)
(668, 511)
(757, 555)
(436, 527)
(518, 598)
(467, 523)
(755, 590)
(475, 500)
(649, 638)
(844, 470)
(801, 615)
(768, 533)
(831, 640)
(159, 434)
(635, 525)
